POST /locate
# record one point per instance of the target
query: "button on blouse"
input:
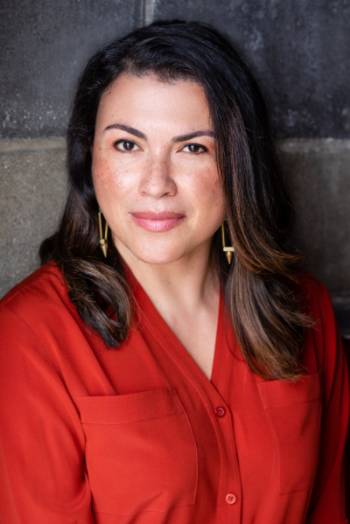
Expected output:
(220, 411)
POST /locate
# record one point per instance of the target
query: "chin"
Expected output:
(157, 258)
(151, 252)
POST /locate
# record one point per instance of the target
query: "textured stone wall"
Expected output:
(299, 53)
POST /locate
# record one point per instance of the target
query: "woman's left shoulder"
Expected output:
(324, 337)
(316, 295)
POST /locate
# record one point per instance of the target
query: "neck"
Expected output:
(189, 283)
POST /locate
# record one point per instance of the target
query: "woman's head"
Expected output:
(186, 53)
(167, 79)
(154, 169)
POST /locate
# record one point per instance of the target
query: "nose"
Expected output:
(157, 180)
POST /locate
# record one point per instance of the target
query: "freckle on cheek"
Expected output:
(109, 180)
(100, 177)
(101, 170)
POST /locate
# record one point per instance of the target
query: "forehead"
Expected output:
(149, 96)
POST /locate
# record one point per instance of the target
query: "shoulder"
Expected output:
(316, 295)
(44, 282)
(40, 298)
(311, 284)
(324, 336)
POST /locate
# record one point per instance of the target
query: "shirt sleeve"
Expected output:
(42, 477)
(328, 498)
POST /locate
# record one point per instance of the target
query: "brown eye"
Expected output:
(124, 145)
(196, 148)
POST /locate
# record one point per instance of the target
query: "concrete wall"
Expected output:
(299, 53)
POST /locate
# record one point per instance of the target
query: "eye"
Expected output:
(128, 145)
(194, 148)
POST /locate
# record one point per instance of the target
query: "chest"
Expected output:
(265, 434)
(199, 341)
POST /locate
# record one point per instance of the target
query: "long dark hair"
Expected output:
(261, 286)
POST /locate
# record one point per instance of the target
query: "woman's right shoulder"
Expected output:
(43, 290)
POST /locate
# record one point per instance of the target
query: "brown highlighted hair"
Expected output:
(261, 285)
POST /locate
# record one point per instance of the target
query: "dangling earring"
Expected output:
(228, 250)
(103, 237)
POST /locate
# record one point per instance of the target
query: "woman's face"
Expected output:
(156, 183)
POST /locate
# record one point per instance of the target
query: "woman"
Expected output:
(170, 362)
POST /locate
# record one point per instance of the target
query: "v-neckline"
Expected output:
(166, 337)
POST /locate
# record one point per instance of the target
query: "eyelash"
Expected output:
(204, 149)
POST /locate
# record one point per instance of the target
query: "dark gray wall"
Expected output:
(44, 45)
(299, 50)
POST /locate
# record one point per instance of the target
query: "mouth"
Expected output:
(157, 222)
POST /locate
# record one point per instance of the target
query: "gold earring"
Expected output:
(228, 250)
(103, 237)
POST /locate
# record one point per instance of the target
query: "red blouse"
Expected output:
(139, 435)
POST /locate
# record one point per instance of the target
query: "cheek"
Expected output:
(208, 191)
(108, 178)
(101, 172)
(101, 166)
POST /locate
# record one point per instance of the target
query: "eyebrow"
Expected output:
(180, 138)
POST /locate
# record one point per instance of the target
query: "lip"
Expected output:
(157, 222)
